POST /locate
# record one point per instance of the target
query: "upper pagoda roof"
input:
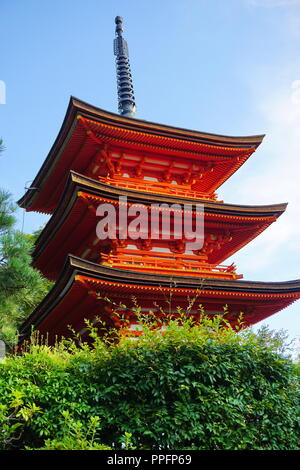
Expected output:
(86, 128)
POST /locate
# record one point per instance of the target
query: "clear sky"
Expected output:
(222, 66)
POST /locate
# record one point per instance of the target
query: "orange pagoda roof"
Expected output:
(71, 229)
(82, 288)
(88, 130)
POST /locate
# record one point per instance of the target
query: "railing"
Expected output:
(177, 265)
(155, 187)
(136, 253)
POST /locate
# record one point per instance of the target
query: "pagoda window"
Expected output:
(132, 247)
(161, 249)
(150, 178)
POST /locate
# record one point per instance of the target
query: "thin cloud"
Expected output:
(278, 180)
(273, 3)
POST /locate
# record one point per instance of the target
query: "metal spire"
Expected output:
(124, 78)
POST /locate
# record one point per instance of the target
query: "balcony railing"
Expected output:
(158, 187)
(165, 264)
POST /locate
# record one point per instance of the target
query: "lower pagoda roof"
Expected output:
(82, 290)
(72, 227)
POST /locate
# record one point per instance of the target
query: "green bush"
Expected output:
(192, 387)
(76, 436)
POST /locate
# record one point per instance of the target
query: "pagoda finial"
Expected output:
(124, 79)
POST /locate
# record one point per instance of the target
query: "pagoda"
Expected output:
(104, 159)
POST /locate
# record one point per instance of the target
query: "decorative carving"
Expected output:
(144, 244)
(214, 242)
(177, 246)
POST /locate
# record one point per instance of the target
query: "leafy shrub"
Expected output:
(193, 387)
(75, 436)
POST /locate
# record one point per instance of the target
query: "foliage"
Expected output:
(21, 286)
(193, 387)
(13, 416)
(76, 437)
(7, 210)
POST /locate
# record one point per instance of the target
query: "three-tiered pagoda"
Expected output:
(104, 158)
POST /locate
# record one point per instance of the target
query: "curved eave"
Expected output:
(114, 192)
(258, 217)
(96, 189)
(276, 295)
(161, 129)
(138, 129)
(82, 267)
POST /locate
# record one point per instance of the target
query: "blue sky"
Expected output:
(230, 67)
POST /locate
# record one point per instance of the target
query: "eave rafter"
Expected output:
(132, 138)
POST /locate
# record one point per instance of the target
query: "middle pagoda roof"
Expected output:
(71, 229)
(206, 160)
